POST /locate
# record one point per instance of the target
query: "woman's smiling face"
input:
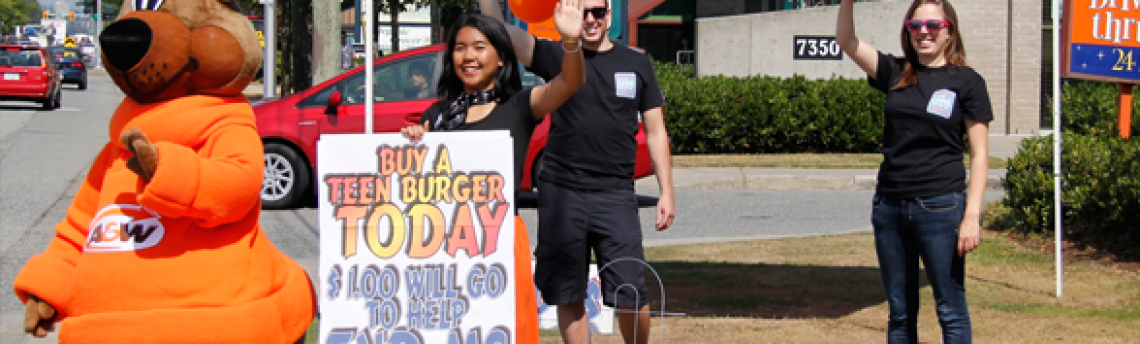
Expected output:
(929, 44)
(476, 61)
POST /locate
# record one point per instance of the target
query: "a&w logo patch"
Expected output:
(942, 103)
(124, 227)
(626, 84)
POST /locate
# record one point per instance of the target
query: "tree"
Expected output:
(18, 12)
(294, 22)
(441, 10)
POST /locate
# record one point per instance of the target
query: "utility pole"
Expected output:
(269, 62)
(326, 40)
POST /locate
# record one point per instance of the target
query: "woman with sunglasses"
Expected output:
(481, 90)
(923, 208)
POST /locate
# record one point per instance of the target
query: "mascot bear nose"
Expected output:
(126, 42)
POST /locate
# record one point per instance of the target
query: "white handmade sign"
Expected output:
(416, 238)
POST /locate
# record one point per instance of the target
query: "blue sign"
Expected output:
(1110, 61)
(30, 31)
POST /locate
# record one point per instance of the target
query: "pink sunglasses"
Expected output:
(933, 25)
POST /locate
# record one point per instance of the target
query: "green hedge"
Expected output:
(1100, 189)
(1089, 108)
(1100, 176)
(719, 114)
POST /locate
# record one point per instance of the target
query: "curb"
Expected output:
(841, 180)
(803, 183)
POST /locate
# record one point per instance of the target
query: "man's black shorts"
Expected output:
(571, 223)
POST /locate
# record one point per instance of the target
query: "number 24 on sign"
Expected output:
(1124, 60)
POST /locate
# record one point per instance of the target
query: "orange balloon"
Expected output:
(533, 11)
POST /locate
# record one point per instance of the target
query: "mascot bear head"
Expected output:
(162, 49)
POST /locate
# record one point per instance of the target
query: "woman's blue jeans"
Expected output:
(927, 228)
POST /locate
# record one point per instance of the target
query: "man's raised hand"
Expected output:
(568, 17)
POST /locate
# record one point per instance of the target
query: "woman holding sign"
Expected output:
(923, 207)
(481, 90)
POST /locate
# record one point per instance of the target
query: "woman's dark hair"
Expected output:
(955, 50)
(507, 82)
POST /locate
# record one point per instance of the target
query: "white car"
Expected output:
(89, 52)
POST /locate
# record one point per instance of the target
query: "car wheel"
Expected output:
(83, 82)
(49, 102)
(286, 177)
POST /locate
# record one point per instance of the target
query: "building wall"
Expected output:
(714, 8)
(762, 44)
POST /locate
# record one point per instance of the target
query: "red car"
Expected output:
(290, 126)
(28, 73)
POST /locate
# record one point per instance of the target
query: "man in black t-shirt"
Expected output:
(586, 187)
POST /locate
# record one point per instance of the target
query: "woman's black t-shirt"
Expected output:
(514, 115)
(923, 141)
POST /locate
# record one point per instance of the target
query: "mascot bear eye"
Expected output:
(147, 5)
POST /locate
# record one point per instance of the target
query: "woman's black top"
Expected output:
(923, 141)
(514, 114)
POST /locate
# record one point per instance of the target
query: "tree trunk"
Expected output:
(395, 7)
(326, 40)
(435, 36)
(302, 28)
(285, 29)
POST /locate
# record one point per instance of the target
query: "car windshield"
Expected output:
(64, 52)
(10, 57)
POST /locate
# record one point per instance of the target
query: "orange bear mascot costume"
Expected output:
(162, 242)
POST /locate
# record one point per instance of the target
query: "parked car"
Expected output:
(290, 126)
(28, 73)
(72, 63)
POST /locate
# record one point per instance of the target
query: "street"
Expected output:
(44, 155)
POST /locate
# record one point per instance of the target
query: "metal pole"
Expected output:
(1057, 211)
(369, 46)
(269, 66)
(98, 30)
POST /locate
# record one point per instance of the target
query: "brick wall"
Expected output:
(761, 44)
(1025, 101)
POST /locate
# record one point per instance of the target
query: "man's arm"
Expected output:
(522, 41)
(546, 98)
(658, 141)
